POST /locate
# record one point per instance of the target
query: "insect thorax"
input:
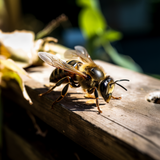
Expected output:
(95, 73)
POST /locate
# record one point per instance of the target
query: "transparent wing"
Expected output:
(70, 54)
(53, 60)
(80, 52)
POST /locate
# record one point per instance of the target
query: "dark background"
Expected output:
(137, 20)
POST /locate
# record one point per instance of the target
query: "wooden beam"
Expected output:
(126, 129)
(18, 148)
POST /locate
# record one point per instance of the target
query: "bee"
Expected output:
(83, 73)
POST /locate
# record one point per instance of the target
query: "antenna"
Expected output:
(120, 84)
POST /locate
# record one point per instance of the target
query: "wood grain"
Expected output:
(126, 129)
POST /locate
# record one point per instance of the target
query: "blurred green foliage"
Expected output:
(99, 34)
(95, 22)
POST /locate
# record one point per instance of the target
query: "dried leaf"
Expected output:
(10, 70)
(8, 74)
(4, 51)
(19, 45)
(10, 64)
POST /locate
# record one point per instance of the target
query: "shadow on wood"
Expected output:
(127, 128)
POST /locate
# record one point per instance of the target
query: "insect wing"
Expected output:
(79, 52)
(83, 54)
(53, 60)
(70, 54)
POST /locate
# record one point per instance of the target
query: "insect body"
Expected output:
(84, 73)
(58, 73)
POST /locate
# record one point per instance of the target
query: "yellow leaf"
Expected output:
(10, 64)
(10, 70)
(9, 74)
(4, 52)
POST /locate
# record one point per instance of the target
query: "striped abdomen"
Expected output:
(57, 74)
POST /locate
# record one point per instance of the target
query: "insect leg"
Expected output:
(42, 94)
(96, 96)
(89, 92)
(63, 94)
(57, 84)
(116, 97)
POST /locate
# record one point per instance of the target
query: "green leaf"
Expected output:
(107, 36)
(91, 22)
(88, 3)
(112, 35)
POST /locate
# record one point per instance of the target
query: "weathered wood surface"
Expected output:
(18, 148)
(127, 129)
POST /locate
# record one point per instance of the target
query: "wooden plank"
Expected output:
(18, 148)
(127, 129)
(23, 141)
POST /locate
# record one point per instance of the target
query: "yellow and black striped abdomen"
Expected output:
(57, 74)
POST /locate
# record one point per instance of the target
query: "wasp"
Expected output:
(82, 72)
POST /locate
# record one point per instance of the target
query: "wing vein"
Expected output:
(53, 60)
